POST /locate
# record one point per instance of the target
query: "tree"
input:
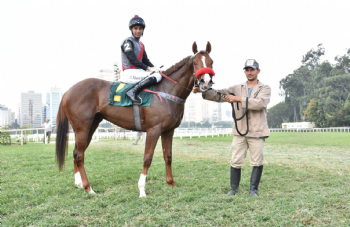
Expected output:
(278, 114)
(315, 114)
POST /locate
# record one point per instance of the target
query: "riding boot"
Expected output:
(255, 180)
(133, 92)
(235, 179)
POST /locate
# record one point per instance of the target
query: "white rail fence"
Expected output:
(37, 134)
(332, 129)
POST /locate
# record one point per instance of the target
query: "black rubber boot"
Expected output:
(255, 180)
(235, 179)
(133, 92)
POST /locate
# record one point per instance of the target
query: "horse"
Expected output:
(85, 105)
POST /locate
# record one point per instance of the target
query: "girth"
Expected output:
(136, 107)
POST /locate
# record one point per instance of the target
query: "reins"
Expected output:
(165, 76)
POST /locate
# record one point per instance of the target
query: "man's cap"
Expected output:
(251, 63)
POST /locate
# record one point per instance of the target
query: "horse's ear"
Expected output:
(208, 47)
(194, 48)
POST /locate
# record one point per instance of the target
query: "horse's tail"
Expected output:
(61, 137)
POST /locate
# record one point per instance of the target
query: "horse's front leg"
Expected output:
(167, 143)
(151, 142)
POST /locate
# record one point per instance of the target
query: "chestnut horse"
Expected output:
(86, 103)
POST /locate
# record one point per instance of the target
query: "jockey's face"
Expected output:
(251, 74)
(137, 31)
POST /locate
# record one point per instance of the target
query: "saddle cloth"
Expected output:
(118, 97)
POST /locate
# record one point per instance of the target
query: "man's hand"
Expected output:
(231, 98)
(195, 90)
(149, 68)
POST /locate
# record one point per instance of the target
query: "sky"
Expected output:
(49, 43)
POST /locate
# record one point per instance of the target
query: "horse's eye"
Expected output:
(195, 63)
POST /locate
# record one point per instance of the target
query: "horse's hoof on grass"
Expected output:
(142, 196)
(172, 185)
(91, 191)
(79, 185)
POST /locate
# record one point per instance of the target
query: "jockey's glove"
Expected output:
(155, 69)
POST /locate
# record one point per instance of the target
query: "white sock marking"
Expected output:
(142, 185)
(78, 181)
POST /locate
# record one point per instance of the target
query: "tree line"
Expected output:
(316, 92)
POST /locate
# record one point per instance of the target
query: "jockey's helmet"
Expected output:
(136, 20)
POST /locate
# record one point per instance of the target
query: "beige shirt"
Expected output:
(257, 106)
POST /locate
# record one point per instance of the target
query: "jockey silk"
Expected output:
(138, 46)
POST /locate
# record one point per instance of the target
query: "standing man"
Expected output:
(258, 97)
(136, 65)
(48, 129)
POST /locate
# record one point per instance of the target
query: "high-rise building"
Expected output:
(53, 100)
(31, 111)
(4, 115)
(225, 112)
(193, 108)
(11, 117)
(199, 110)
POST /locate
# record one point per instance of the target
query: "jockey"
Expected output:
(136, 65)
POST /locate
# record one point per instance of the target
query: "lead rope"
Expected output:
(234, 114)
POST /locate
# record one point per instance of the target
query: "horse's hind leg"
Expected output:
(77, 174)
(167, 142)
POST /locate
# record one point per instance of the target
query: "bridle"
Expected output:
(196, 74)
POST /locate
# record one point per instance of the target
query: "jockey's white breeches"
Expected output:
(135, 75)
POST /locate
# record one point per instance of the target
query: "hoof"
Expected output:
(91, 191)
(79, 185)
(142, 196)
(172, 184)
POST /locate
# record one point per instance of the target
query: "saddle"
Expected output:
(118, 97)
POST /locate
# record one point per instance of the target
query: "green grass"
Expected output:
(306, 181)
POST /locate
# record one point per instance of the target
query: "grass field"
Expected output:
(306, 181)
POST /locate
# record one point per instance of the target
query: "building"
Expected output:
(297, 125)
(31, 109)
(50, 109)
(4, 116)
(225, 112)
(117, 72)
(193, 108)
(106, 74)
(199, 110)
(11, 117)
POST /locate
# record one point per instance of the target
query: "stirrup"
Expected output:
(137, 103)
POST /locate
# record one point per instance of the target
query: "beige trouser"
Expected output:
(240, 145)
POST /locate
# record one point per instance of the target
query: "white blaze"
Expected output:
(206, 76)
(142, 185)
(203, 60)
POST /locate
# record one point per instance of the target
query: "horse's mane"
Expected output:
(176, 67)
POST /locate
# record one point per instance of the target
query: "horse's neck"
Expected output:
(184, 78)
